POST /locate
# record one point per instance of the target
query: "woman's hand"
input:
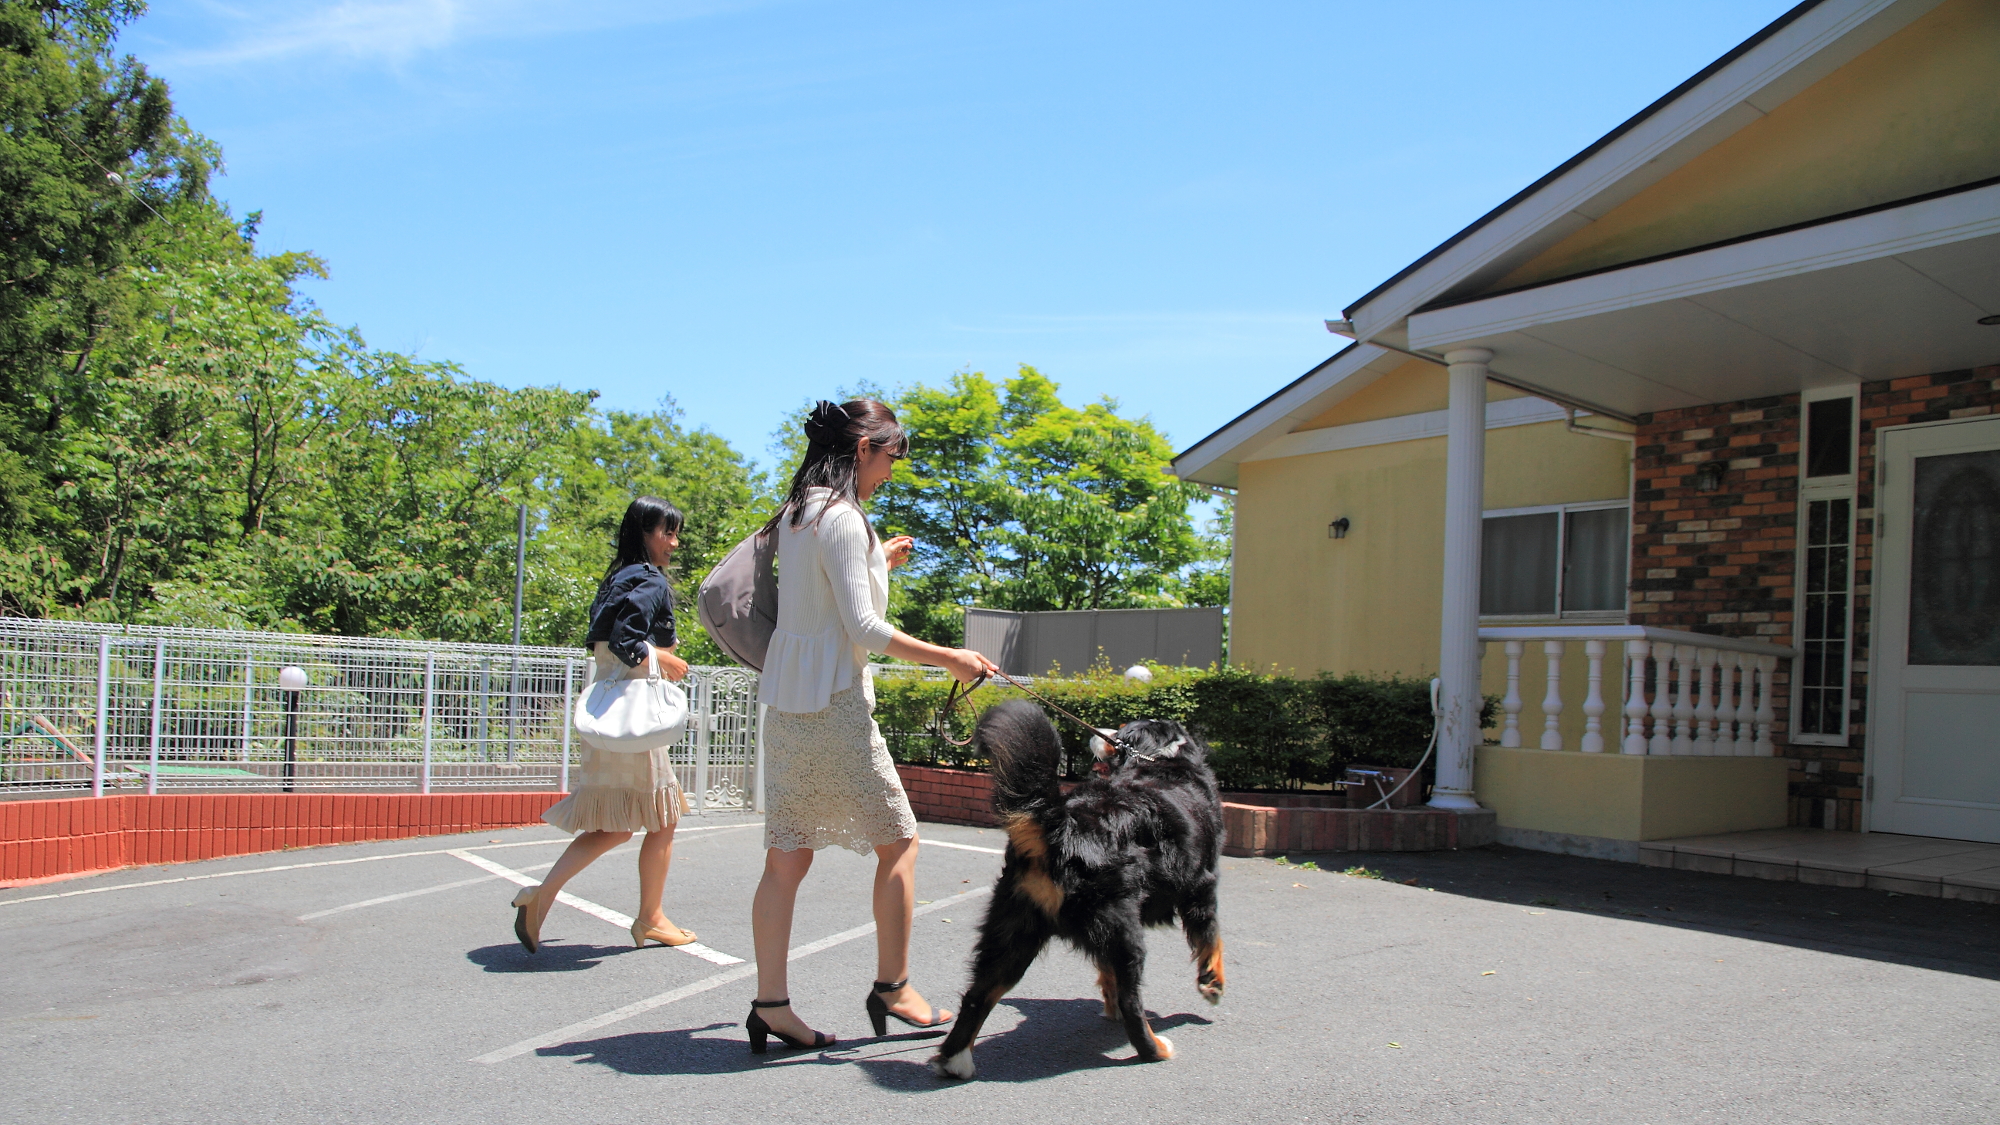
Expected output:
(898, 550)
(670, 665)
(965, 665)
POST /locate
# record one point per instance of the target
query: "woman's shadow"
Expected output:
(685, 1051)
(1054, 1037)
(564, 958)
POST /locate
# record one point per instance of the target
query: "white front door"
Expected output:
(1934, 720)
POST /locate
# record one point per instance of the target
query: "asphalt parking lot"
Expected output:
(381, 983)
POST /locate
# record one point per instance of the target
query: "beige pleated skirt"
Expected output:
(619, 792)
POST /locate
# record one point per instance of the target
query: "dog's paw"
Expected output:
(1166, 1047)
(1211, 991)
(957, 1066)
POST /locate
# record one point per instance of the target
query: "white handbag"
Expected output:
(632, 715)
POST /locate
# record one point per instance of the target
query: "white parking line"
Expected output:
(333, 863)
(397, 897)
(962, 847)
(622, 921)
(638, 1007)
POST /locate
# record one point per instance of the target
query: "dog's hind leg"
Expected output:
(1204, 938)
(1008, 944)
(1124, 953)
(1107, 984)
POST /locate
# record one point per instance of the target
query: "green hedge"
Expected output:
(1264, 732)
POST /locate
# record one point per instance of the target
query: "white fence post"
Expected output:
(1746, 736)
(704, 717)
(103, 714)
(569, 691)
(430, 699)
(153, 736)
(757, 793)
(249, 698)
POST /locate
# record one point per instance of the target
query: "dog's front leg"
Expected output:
(1009, 941)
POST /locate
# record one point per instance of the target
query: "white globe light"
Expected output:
(1139, 673)
(292, 678)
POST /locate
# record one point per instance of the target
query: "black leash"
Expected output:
(962, 691)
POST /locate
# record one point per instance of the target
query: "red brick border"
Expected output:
(57, 839)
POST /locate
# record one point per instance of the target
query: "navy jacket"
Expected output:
(634, 607)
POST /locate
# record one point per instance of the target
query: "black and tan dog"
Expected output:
(1131, 848)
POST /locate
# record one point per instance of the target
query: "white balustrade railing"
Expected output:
(1708, 695)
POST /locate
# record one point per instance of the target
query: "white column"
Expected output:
(1767, 714)
(1458, 641)
(1662, 741)
(1510, 731)
(1704, 701)
(1635, 697)
(1593, 700)
(1552, 700)
(1746, 738)
(1684, 700)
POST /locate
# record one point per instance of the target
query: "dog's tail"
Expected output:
(1026, 756)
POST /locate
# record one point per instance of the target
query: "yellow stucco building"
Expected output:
(1654, 451)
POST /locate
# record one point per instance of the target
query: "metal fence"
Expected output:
(109, 709)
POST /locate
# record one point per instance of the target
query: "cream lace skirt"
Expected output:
(828, 778)
(618, 792)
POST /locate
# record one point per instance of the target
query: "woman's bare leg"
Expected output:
(895, 907)
(581, 853)
(771, 933)
(656, 854)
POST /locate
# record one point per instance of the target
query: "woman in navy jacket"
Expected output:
(631, 631)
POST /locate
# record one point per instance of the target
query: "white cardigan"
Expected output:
(833, 588)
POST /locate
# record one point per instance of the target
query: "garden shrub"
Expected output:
(1263, 731)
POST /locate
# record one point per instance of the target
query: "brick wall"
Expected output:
(1723, 562)
(945, 796)
(42, 840)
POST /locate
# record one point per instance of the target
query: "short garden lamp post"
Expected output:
(292, 679)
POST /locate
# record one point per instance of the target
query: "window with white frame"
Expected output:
(1566, 560)
(1823, 613)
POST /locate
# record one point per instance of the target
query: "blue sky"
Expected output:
(747, 205)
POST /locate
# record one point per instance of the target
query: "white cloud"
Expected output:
(395, 30)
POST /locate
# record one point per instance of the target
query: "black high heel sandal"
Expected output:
(879, 1013)
(760, 1031)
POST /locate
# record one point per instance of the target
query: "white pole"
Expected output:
(103, 713)
(153, 739)
(1458, 643)
(430, 698)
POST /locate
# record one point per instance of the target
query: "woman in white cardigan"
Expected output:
(828, 778)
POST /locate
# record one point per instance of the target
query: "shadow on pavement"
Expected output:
(1947, 935)
(554, 958)
(1054, 1037)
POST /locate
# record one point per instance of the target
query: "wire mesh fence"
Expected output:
(110, 709)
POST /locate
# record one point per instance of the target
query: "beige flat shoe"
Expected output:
(641, 934)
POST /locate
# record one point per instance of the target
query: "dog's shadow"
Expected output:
(553, 958)
(1054, 1037)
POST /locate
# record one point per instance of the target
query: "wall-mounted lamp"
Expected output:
(1338, 528)
(1708, 478)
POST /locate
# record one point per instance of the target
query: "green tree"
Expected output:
(91, 157)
